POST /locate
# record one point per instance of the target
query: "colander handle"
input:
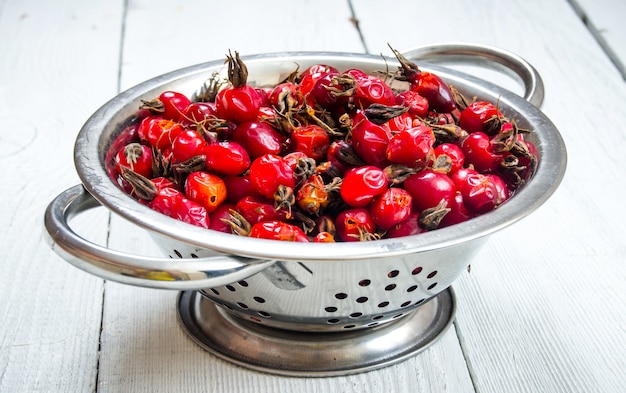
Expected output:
(152, 272)
(489, 57)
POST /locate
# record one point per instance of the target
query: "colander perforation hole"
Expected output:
(383, 304)
(431, 286)
(194, 256)
(255, 319)
(178, 254)
(420, 301)
(264, 314)
(397, 316)
(242, 305)
(259, 299)
(215, 291)
(230, 288)
(411, 288)
(390, 287)
(333, 321)
(432, 274)
(356, 314)
(362, 299)
(377, 317)
(416, 271)
(393, 273)
(330, 309)
(341, 295)
(405, 304)
(349, 326)
(365, 282)
(243, 283)
(372, 324)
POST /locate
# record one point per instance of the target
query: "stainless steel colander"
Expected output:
(299, 295)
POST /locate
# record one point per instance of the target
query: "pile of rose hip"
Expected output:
(326, 155)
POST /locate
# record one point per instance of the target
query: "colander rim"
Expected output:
(92, 143)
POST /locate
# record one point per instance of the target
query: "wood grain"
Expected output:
(604, 21)
(50, 311)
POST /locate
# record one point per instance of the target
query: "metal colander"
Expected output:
(354, 290)
(338, 295)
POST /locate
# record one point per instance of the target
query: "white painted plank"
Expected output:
(605, 19)
(545, 312)
(52, 77)
(197, 32)
(143, 348)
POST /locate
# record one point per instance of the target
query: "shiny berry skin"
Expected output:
(144, 128)
(458, 212)
(408, 227)
(436, 91)
(428, 188)
(226, 158)
(324, 92)
(312, 196)
(483, 193)
(284, 96)
(354, 225)
(454, 153)
(501, 186)
(312, 140)
(136, 157)
(159, 133)
(256, 209)
(295, 158)
(162, 182)
(164, 200)
(191, 212)
(263, 94)
(218, 217)
(324, 237)
(413, 147)
(459, 176)
(258, 138)
(238, 187)
(173, 203)
(372, 90)
(391, 207)
(237, 104)
(480, 116)
(361, 184)
(174, 104)
(418, 105)
(356, 73)
(269, 171)
(311, 75)
(318, 69)
(187, 145)
(339, 153)
(278, 230)
(479, 153)
(206, 189)
(370, 141)
(399, 123)
(198, 113)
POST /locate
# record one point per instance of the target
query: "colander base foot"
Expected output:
(313, 354)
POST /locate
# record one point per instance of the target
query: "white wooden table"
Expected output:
(545, 313)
